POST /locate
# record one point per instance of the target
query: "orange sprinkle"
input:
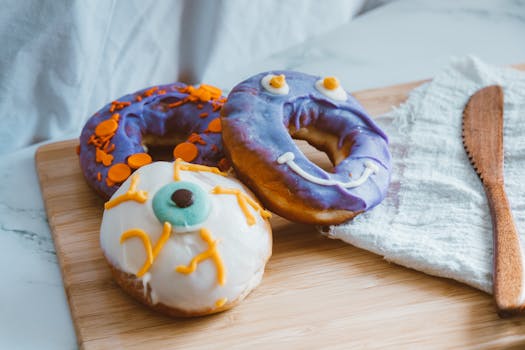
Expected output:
(215, 125)
(119, 172)
(107, 127)
(91, 139)
(104, 139)
(103, 157)
(199, 106)
(203, 115)
(99, 176)
(196, 138)
(161, 92)
(215, 92)
(137, 160)
(115, 117)
(150, 92)
(109, 149)
(107, 160)
(176, 104)
(117, 105)
(203, 95)
(109, 182)
(186, 151)
(138, 98)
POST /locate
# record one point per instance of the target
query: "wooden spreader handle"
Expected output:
(508, 258)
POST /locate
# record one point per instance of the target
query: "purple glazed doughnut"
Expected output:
(266, 112)
(114, 141)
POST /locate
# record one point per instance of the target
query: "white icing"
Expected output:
(283, 90)
(288, 159)
(145, 280)
(243, 249)
(338, 94)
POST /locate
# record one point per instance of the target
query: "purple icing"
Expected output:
(261, 119)
(151, 115)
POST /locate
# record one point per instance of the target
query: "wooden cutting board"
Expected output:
(316, 293)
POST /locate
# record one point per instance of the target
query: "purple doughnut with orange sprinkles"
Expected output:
(114, 141)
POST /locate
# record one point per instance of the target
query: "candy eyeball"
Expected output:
(275, 84)
(185, 205)
(331, 88)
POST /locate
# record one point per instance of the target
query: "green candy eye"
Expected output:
(184, 205)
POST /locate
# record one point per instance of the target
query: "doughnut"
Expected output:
(185, 239)
(263, 115)
(114, 141)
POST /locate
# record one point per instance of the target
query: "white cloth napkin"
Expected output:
(436, 218)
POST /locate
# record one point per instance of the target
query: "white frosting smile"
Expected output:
(243, 248)
(288, 159)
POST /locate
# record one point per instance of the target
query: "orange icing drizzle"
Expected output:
(210, 253)
(131, 195)
(278, 81)
(220, 302)
(244, 200)
(331, 83)
(151, 253)
(181, 165)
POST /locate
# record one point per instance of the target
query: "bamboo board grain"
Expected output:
(316, 293)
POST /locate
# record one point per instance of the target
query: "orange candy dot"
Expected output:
(137, 160)
(119, 172)
(215, 125)
(107, 127)
(186, 151)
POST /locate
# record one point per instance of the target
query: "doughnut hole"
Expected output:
(320, 147)
(160, 148)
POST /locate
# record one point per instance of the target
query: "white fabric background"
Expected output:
(63, 60)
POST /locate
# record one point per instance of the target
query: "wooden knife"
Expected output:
(483, 142)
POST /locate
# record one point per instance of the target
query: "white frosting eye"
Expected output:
(331, 88)
(275, 84)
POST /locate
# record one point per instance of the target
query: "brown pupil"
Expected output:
(182, 198)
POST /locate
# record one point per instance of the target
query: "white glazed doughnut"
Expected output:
(185, 239)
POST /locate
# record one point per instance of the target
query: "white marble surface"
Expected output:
(402, 41)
